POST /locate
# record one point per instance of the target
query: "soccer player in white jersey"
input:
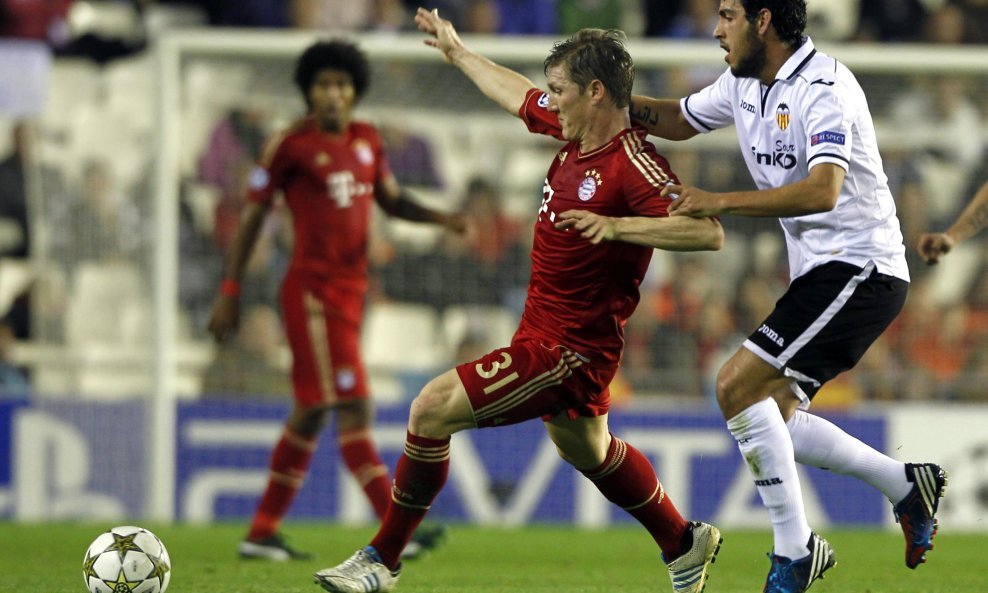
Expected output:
(974, 218)
(809, 142)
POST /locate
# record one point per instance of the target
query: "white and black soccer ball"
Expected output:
(126, 559)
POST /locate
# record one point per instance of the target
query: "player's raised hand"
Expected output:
(932, 245)
(444, 37)
(591, 226)
(691, 201)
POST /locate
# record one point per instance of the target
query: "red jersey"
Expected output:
(580, 295)
(328, 181)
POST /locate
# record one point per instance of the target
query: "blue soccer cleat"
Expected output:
(796, 576)
(916, 513)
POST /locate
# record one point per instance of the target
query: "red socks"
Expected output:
(627, 479)
(289, 463)
(360, 455)
(420, 475)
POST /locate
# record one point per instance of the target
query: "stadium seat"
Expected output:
(107, 305)
(129, 89)
(403, 337)
(489, 327)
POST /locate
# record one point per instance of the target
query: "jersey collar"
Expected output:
(796, 62)
(613, 142)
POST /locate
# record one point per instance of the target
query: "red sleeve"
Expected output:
(648, 173)
(536, 115)
(269, 174)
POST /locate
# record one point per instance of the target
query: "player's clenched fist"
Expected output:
(932, 245)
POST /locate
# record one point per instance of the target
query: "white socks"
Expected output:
(767, 448)
(819, 443)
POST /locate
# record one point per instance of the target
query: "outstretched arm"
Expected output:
(661, 117)
(505, 87)
(818, 192)
(974, 218)
(677, 233)
(396, 202)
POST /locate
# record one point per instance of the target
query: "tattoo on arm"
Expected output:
(644, 115)
(979, 218)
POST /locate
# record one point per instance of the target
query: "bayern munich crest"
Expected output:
(258, 178)
(588, 187)
(364, 152)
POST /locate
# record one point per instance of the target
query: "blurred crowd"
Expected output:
(695, 308)
(76, 26)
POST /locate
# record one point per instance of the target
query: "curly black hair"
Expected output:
(788, 17)
(337, 55)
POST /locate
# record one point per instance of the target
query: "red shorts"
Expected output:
(530, 380)
(322, 324)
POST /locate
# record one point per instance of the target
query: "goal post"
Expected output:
(413, 90)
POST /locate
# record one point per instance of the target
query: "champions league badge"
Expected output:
(543, 101)
(588, 187)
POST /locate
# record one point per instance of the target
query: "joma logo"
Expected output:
(772, 335)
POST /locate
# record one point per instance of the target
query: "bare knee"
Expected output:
(353, 415)
(583, 458)
(745, 380)
(582, 444)
(728, 383)
(738, 387)
(307, 421)
(425, 418)
(440, 409)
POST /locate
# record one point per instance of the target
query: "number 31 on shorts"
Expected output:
(495, 368)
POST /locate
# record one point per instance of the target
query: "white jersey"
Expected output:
(813, 112)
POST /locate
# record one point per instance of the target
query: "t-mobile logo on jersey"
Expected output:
(342, 188)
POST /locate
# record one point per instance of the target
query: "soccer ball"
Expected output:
(126, 559)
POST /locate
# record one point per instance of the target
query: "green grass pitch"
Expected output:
(48, 557)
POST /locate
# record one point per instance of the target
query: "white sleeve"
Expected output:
(828, 112)
(713, 107)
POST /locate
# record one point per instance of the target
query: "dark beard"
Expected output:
(751, 65)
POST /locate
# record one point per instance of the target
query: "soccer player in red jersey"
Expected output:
(588, 259)
(329, 168)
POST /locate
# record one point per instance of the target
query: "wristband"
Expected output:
(230, 288)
